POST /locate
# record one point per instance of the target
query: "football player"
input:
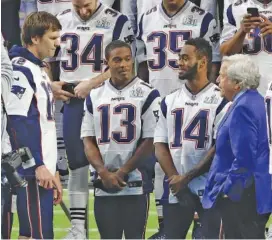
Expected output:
(209, 6)
(31, 113)
(58, 6)
(6, 197)
(250, 32)
(53, 6)
(183, 137)
(86, 30)
(117, 130)
(163, 31)
(135, 8)
(161, 34)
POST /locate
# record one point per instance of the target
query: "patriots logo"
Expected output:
(215, 38)
(129, 39)
(18, 91)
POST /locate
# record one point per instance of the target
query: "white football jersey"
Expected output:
(134, 9)
(82, 44)
(57, 6)
(108, 2)
(119, 119)
(188, 124)
(227, 3)
(54, 6)
(160, 39)
(209, 6)
(268, 101)
(260, 49)
(20, 100)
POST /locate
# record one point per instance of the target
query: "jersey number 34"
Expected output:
(90, 55)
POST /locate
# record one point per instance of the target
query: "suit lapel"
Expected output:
(233, 105)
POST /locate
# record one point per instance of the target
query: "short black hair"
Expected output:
(115, 44)
(203, 49)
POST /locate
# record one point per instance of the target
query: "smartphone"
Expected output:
(69, 87)
(254, 12)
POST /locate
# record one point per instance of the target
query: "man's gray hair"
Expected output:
(241, 69)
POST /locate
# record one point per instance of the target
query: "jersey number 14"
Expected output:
(196, 130)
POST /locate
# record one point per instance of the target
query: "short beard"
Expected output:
(190, 75)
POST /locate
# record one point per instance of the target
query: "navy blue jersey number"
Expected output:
(165, 41)
(91, 54)
(195, 131)
(127, 123)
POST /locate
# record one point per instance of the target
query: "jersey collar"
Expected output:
(168, 17)
(17, 51)
(131, 82)
(194, 96)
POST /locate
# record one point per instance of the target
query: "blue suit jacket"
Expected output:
(242, 154)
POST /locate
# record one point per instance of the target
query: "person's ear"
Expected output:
(35, 40)
(237, 86)
(203, 63)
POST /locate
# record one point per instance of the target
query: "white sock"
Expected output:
(78, 196)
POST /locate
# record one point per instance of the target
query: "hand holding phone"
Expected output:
(251, 20)
(69, 87)
(254, 12)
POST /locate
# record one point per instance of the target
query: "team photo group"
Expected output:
(138, 100)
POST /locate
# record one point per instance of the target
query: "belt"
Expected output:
(98, 184)
(135, 184)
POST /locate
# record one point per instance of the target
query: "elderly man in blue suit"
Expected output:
(239, 184)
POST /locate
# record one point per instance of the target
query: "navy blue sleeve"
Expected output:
(149, 100)
(163, 107)
(26, 132)
(205, 24)
(230, 16)
(140, 33)
(89, 104)
(119, 27)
